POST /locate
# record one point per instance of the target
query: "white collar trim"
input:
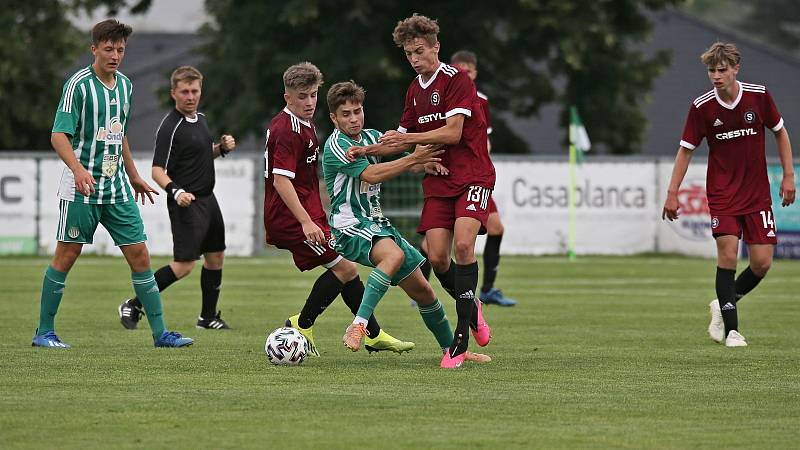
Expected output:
(286, 110)
(430, 80)
(735, 102)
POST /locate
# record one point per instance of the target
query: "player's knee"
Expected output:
(138, 257)
(425, 296)
(760, 268)
(397, 258)
(439, 262)
(182, 269)
(464, 250)
(345, 270)
(496, 229)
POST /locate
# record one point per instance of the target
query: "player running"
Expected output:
(293, 216)
(353, 176)
(490, 295)
(442, 108)
(732, 117)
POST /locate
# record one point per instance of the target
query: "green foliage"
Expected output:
(525, 47)
(38, 43)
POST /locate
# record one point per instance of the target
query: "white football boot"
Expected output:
(735, 339)
(716, 329)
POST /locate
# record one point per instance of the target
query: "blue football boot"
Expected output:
(172, 339)
(48, 340)
(495, 296)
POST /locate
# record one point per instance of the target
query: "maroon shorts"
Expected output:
(442, 212)
(307, 255)
(756, 227)
(492, 206)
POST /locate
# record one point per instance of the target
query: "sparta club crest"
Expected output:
(435, 98)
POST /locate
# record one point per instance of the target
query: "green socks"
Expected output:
(52, 291)
(144, 284)
(377, 285)
(435, 319)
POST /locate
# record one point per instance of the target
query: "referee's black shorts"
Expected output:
(196, 229)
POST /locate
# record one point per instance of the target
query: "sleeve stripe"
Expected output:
(76, 79)
(286, 173)
(455, 111)
(778, 127)
(338, 151)
(687, 145)
(169, 151)
(155, 146)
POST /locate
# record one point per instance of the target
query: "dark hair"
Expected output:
(414, 27)
(110, 30)
(343, 91)
(464, 57)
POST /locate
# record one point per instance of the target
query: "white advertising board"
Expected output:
(18, 206)
(616, 204)
(691, 233)
(234, 190)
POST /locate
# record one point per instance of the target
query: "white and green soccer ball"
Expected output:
(286, 347)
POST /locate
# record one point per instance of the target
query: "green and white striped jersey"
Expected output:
(96, 118)
(352, 201)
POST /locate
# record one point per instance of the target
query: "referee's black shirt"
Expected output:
(185, 150)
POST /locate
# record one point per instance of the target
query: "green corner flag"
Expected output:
(578, 138)
(578, 144)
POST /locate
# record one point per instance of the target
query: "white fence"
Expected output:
(618, 208)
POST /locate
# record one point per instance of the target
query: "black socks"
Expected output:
(210, 284)
(322, 294)
(726, 294)
(466, 282)
(491, 259)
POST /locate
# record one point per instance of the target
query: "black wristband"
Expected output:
(174, 190)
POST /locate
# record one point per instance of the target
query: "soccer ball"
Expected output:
(286, 346)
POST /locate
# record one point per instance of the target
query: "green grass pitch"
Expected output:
(605, 352)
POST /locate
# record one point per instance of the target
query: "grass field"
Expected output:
(604, 352)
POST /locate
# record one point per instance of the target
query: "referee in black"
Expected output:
(183, 165)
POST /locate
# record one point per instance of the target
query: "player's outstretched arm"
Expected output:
(671, 204)
(787, 191)
(84, 182)
(449, 134)
(140, 187)
(379, 149)
(378, 173)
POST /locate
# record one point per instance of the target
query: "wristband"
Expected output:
(174, 190)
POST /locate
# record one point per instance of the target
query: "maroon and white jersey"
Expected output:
(428, 105)
(736, 181)
(484, 101)
(291, 150)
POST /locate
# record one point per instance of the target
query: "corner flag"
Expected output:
(578, 144)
